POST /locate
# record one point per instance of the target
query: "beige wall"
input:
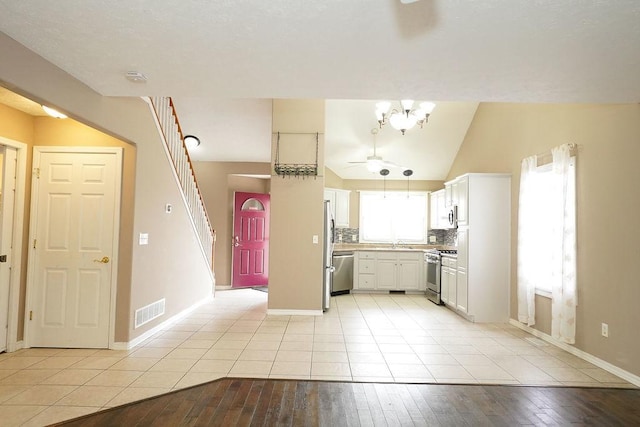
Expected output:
(171, 266)
(331, 179)
(218, 181)
(501, 135)
(296, 267)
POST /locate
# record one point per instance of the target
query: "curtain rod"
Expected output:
(572, 147)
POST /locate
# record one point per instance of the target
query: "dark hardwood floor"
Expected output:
(259, 402)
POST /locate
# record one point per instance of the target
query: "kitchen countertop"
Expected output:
(386, 247)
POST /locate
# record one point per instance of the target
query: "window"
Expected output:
(388, 217)
(544, 228)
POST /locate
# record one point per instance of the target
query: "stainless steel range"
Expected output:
(433, 257)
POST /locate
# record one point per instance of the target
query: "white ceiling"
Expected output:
(222, 61)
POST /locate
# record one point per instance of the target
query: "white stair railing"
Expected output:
(174, 141)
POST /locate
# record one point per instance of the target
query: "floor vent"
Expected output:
(149, 312)
(397, 292)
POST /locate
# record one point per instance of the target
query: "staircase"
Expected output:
(174, 142)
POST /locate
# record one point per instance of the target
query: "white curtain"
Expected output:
(547, 241)
(563, 247)
(527, 248)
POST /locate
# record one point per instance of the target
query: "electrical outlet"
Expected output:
(605, 330)
(354, 238)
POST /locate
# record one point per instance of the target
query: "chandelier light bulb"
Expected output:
(406, 105)
(383, 106)
(427, 107)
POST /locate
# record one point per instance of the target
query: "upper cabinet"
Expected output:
(462, 200)
(451, 193)
(438, 210)
(339, 202)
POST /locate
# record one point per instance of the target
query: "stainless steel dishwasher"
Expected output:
(342, 277)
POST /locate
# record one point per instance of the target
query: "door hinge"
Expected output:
(30, 314)
(34, 243)
(36, 172)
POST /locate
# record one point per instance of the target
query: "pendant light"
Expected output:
(407, 173)
(384, 173)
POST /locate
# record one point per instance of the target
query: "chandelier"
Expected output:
(406, 117)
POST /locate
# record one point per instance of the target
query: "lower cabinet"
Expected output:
(444, 284)
(389, 271)
(448, 282)
(461, 290)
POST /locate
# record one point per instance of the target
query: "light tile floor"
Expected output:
(363, 337)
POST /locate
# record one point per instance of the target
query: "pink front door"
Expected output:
(250, 240)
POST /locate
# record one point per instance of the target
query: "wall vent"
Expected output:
(149, 312)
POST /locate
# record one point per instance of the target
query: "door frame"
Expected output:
(16, 263)
(33, 224)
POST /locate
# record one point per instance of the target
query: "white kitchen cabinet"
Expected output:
(386, 271)
(448, 277)
(444, 282)
(408, 273)
(462, 296)
(461, 270)
(339, 202)
(364, 270)
(483, 241)
(438, 211)
(449, 194)
(389, 271)
(462, 200)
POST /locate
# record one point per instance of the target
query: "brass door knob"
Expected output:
(104, 260)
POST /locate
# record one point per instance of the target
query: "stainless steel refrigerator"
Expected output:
(327, 253)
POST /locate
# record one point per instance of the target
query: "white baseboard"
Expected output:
(626, 375)
(223, 287)
(15, 346)
(277, 312)
(173, 319)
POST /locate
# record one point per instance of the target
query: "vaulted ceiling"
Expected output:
(223, 61)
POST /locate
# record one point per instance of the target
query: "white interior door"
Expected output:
(7, 201)
(76, 197)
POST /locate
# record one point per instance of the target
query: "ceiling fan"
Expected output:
(375, 163)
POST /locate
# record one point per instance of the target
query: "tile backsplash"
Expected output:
(351, 235)
(445, 237)
(347, 235)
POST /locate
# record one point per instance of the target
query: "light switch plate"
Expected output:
(144, 239)
(315, 239)
(168, 208)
